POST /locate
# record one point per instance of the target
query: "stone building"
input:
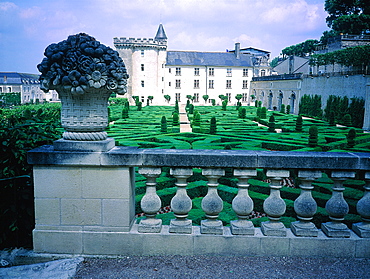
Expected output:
(27, 84)
(155, 71)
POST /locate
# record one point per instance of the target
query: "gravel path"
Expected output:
(222, 267)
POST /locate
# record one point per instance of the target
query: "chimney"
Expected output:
(237, 50)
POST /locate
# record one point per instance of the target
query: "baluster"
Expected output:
(337, 207)
(181, 202)
(363, 208)
(212, 204)
(150, 203)
(274, 206)
(243, 204)
(305, 206)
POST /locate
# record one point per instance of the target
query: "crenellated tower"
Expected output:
(145, 60)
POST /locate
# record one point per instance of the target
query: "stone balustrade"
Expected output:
(85, 203)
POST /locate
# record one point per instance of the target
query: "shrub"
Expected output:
(124, 113)
(177, 106)
(282, 108)
(175, 119)
(263, 114)
(288, 109)
(213, 126)
(191, 109)
(213, 102)
(139, 106)
(224, 104)
(298, 124)
(347, 120)
(313, 136)
(242, 113)
(351, 138)
(163, 124)
(258, 112)
(271, 124)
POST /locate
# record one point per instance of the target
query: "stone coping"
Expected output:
(133, 156)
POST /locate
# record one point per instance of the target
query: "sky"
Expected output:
(27, 27)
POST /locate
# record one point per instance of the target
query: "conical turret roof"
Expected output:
(161, 35)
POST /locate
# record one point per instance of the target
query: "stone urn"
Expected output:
(85, 73)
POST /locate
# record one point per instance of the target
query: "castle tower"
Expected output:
(145, 60)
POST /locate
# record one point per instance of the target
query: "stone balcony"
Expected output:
(85, 203)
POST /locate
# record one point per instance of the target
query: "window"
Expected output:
(142, 67)
(244, 97)
(196, 98)
(210, 84)
(142, 83)
(245, 84)
(178, 71)
(196, 71)
(228, 84)
(169, 70)
(162, 78)
(178, 84)
(245, 72)
(9, 89)
(178, 97)
(196, 83)
(228, 95)
(263, 73)
(211, 72)
(142, 52)
(228, 72)
(1, 90)
(169, 84)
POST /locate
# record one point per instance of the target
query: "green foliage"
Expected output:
(213, 102)
(303, 49)
(163, 124)
(224, 105)
(288, 109)
(177, 106)
(168, 98)
(351, 138)
(274, 62)
(299, 124)
(263, 114)
(139, 106)
(310, 106)
(282, 108)
(242, 113)
(10, 99)
(191, 109)
(213, 126)
(271, 124)
(347, 120)
(313, 136)
(238, 97)
(124, 113)
(175, 119)
(205, 98)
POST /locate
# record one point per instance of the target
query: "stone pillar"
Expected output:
(181, 203)
(366, 126)
(212, 204)
(274, 206)
(363, 208)
(150, 203)
(305, 206)
(337, 207)
(243, 204)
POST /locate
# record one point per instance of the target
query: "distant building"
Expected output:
(155, 71)
(293, 65)
(27, 84)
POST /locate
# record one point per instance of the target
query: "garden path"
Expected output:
(184, 121)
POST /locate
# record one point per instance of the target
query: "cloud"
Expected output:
(6, 6)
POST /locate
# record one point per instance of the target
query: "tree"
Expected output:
(124, 113)
(139, 106)
(282, 108)
(288, 109)
(263, 114)
(175, 119)
(177, 106)
(205, 98)
(224, 104)
(150, 98)
(347, 120)
(348, 16)
(167, 97)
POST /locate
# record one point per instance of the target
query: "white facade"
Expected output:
(28, 85)
(154, 71)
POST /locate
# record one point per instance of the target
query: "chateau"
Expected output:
(27, 84)
(156, 71)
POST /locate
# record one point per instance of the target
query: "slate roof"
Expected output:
(194, 58)
(18, 78)
(161, 35)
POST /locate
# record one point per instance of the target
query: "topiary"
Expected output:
(282, 108)
(175, 119)
(224, 104)
(163, 124)
(299, 124)
(271, 124)
(288, 109)
(347, 120)
(124, 113)
(213, 126)
(139, 106)
(263, 114)
(313, 136)
(351, 138)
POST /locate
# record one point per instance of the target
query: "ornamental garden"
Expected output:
(213, 127)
